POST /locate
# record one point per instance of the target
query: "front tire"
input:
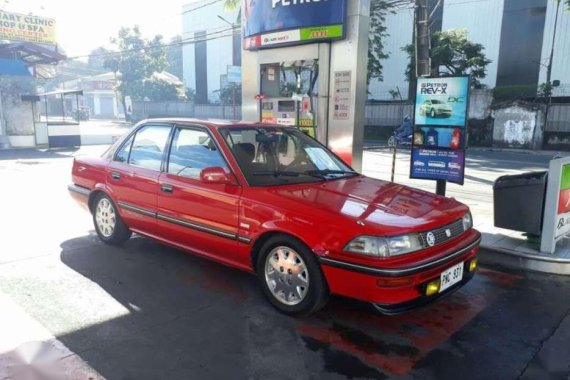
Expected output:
(290, 276)
(392, 142)
(108, 223)
(433, 113)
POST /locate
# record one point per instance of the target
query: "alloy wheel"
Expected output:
(286, 275)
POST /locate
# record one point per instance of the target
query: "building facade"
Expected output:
(211, 43)
(517, 36)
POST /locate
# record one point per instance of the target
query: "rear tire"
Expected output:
(291, 277)
(108, 223)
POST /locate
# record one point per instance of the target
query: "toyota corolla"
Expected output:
(270, 200)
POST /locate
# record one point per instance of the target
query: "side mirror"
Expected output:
(217, 175)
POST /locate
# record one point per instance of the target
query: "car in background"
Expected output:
(435, 108)
(270, 200)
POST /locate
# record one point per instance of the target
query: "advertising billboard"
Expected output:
(27, 28)
(556, 222)
(439, 138)
(272, 23)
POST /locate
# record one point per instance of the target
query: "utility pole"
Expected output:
(551, 58)
(423, 62)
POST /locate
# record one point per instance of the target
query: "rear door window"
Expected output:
(148, 146)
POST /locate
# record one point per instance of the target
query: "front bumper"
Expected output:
(395, 290)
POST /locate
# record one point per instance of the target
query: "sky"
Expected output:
(83, 25)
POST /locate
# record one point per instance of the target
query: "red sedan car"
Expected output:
(270, 200)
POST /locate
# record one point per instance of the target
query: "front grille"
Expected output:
(440, 234)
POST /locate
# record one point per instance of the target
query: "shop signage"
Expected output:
(268, 24)
(439, 138)
(27, 28)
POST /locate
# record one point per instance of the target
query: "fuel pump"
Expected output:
(289, 96)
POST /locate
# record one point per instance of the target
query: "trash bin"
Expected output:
(519, 201)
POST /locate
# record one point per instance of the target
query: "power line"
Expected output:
(188, 41)
(201, 6)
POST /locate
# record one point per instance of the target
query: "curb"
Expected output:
(525, 261)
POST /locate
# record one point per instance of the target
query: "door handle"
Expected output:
(115, 175)
(166, 188)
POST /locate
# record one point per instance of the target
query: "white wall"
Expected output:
(561, 61)
(400, 26)
(219, 44)
(483, 21)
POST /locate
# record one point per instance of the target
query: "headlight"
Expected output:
(467, 221)
(384, 247)
(368, 245)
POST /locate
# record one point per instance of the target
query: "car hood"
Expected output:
(377, 205)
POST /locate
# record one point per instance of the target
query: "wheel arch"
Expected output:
(265, 236)
(98, 189)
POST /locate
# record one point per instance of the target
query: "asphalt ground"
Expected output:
(74, 308)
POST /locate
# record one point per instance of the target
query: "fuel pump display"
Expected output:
(289, 96)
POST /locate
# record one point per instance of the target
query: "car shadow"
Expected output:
(184, 317)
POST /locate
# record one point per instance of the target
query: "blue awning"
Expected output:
(13, 67)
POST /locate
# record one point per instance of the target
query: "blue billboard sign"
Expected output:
(272, 23)
(439, 139)
(439, 164)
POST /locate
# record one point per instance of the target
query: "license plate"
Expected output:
(451, 276)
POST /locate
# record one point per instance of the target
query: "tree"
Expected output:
(158, 90)
(379, 9)
(174, 57)
(97, 57)
(452, 53)
(136, 60)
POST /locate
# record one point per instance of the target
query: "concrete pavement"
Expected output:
(74, 308)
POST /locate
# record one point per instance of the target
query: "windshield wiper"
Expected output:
(283, 173)
(325, 172)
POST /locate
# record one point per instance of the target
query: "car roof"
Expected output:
(213, 123)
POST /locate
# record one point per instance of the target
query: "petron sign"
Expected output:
(27, 28)
(273, 23)
(439, 138)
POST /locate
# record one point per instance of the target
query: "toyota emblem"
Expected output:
(430, 238)
(448, 232)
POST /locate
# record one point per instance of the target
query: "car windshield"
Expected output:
(282, 155)
(436, 101)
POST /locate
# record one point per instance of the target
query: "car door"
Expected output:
(133, 176)
(199, 216)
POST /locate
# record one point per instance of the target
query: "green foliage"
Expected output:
(97, 58)
(379, 9)
(230, 94)
(161, 91)
(137, 59)
(452, 53)
(190, 94)
(544, 90)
